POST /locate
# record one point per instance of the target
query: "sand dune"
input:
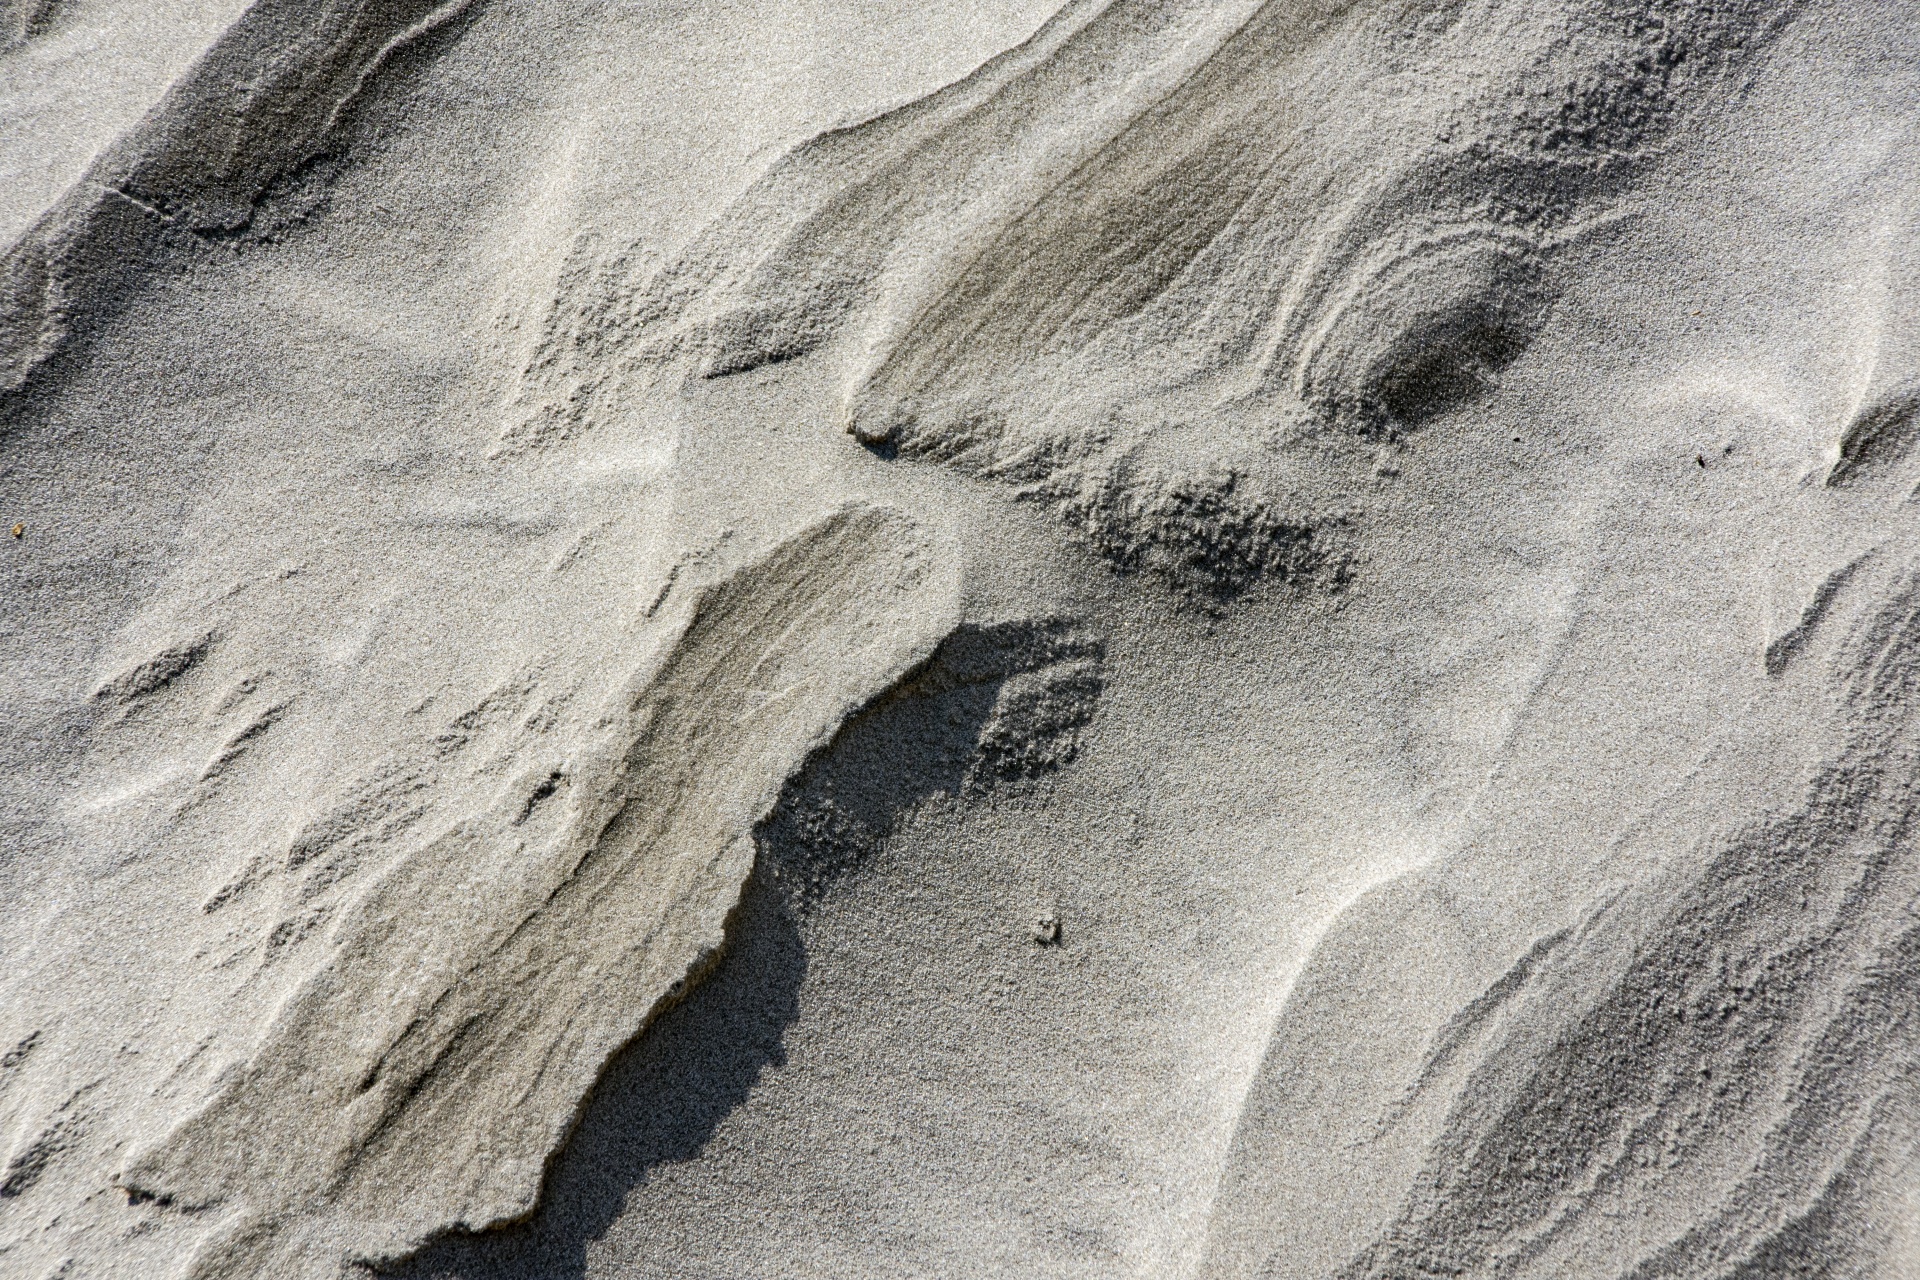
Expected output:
(1132, 638)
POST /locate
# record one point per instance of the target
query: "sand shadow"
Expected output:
(994, 707)
(659, 1102)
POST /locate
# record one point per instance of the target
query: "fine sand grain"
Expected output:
(1134, 638)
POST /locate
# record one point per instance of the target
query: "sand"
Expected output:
(1144, 638)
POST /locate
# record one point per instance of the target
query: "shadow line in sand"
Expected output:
(994, 709)
(660, 1101)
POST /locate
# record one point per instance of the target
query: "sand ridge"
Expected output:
(1155, 638)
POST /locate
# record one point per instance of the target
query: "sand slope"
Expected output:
(1131, 639)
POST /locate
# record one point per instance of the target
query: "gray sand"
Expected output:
(1142, 639)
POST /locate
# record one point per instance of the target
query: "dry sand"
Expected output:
(1154, 638)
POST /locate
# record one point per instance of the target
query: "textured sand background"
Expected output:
(1142, 639)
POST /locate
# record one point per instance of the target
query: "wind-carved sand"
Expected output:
(476, 988)
(1159, 638)
(1268, 237)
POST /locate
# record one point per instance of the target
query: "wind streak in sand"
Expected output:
(260, 113)
(420, 1080)
(1712, 1076)
(1181, 270)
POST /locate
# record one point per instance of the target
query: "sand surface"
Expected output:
(1185, 639)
